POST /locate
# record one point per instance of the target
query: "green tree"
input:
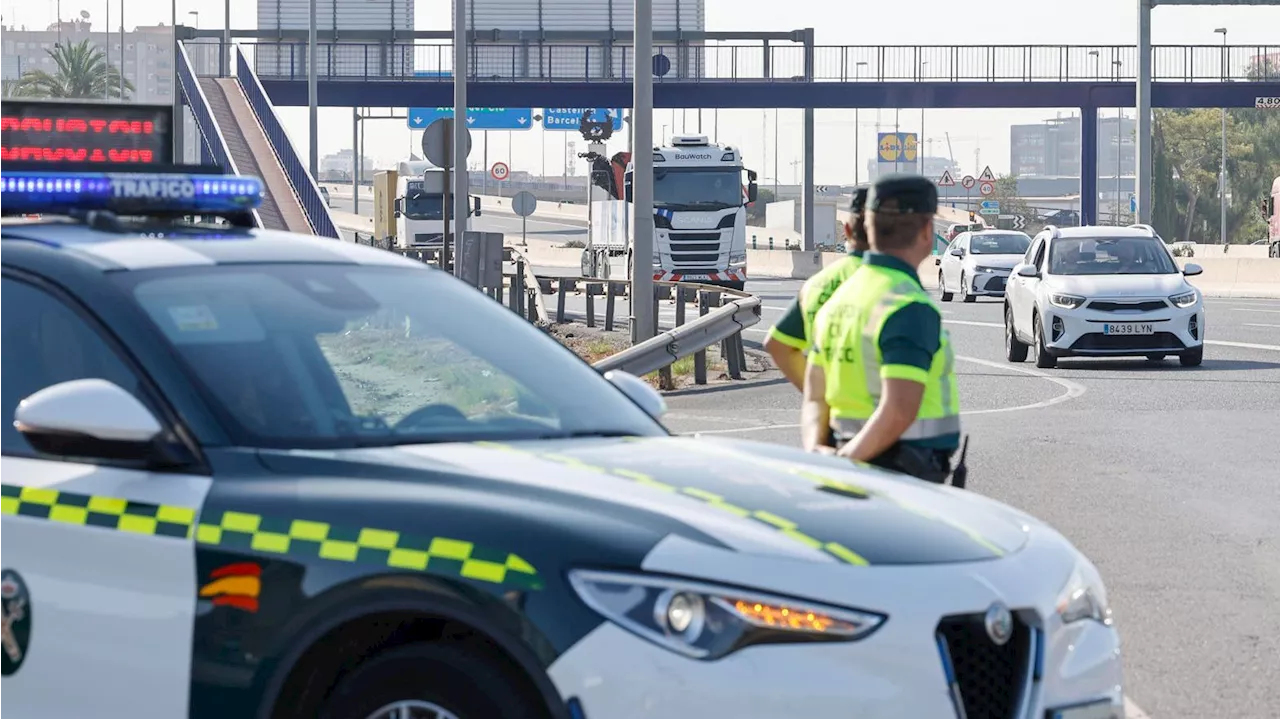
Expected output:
(83, 72)
(1187, 146)
(755, 213)
(1011, 203)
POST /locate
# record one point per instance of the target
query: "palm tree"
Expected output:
(83, 72)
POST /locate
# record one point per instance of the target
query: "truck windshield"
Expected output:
(343, 356)
(421, 205)
(697, 189)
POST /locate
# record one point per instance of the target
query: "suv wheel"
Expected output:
(942, 288)
(1044, 360)
(1015, 350)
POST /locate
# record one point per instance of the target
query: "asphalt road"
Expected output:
(1167, 477)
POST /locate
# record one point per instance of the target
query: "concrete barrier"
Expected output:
(1232, 251)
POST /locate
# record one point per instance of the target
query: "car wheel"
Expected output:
(1044, 360)
(1155, 357)
(1192, 357)
(942, 289)
(1015, 350)
(964, 290)
(440, 680)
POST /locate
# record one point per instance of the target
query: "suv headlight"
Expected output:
(1069, 302)
(708, 621)
(1084, 596)
(1184, 300)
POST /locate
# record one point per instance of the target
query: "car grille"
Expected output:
(1138, 306)
(1099, 341)
(995, 284)
(988, 677)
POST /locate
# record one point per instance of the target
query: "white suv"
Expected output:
(1102, 292)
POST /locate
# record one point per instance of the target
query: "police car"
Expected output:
(248, 473)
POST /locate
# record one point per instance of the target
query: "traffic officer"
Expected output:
(790, 339)
(880, 384)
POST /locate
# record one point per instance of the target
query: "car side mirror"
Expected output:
(627, 190)
(1192, 269)
(753, 192)
(957, 252)
(90, 418)
(1028, 271)
(475, 206)
(937, 261)
(638, 391)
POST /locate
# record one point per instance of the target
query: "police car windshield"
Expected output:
(999, 244)
(341, 356)
(697, 189)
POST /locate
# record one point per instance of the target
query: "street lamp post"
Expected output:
(1119, 124)
(196, 15)
(857, 163)
(920, 140)
(1222, 167)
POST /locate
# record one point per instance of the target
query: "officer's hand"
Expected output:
(823, 449)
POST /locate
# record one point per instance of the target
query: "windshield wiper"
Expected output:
(587, 433)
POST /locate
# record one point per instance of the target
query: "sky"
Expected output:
(904, 22)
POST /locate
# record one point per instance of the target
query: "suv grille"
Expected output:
(1099, 341)
(988, 677)
(1140, 306)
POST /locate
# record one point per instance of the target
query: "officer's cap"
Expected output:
(913, 194)
(859, 203)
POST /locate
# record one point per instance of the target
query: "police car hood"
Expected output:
(752, 498)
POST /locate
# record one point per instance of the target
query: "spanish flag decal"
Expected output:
(235, 585)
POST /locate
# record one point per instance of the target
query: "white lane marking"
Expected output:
(1253, 324)
(975, 324)
(1133, 711)
(1253, 309)
(1244, 345)
(1073, 390)
(1223, 343)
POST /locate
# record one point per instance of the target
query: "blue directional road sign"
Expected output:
(478, 118)
(990, 205)
(569, 118)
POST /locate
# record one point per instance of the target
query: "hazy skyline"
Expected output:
(1098, 22)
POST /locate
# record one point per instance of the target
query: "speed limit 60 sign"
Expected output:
(499, 171)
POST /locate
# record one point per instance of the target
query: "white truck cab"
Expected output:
(700, 216)
(420, 205)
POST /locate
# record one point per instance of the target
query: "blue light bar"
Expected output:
(139, 194)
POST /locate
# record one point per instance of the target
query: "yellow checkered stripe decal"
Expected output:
(308, 540)
(122, 515)
(786, 527)
(298, 539)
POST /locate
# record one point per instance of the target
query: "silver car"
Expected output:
(978, 264)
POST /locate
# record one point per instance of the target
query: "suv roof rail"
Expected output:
(1148, 228)
(1054, 232)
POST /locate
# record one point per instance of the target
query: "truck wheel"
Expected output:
(439, 680)
(738, 285)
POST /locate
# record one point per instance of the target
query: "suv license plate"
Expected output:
(1128, 328)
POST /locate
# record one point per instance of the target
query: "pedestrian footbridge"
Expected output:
(238, 129)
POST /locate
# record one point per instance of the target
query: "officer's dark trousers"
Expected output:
(931, 465)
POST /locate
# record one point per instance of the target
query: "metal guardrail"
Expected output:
(308, 193)
(722, 313)
(533, 61)
(210, 135)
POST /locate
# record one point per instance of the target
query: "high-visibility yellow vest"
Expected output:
(819, 288)
(848, 334)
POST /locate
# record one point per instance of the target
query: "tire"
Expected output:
(738, 285)
(964, 290)
(942, 289)
(463, 682)
(1015, 350)
(1155, 357)
(1044, 360)
(1192, 357)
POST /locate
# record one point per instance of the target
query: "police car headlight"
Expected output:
(1084, 596)
(708, 621)
(1069, 302)
(1184, 300)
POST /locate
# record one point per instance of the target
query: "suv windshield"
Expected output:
(1103, 256)
(340, 356)
(990, 244)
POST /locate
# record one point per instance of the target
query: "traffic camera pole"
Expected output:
(462, 174)
(642, 177)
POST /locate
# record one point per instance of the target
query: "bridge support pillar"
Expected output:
(1088, 166)
(807, 191)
